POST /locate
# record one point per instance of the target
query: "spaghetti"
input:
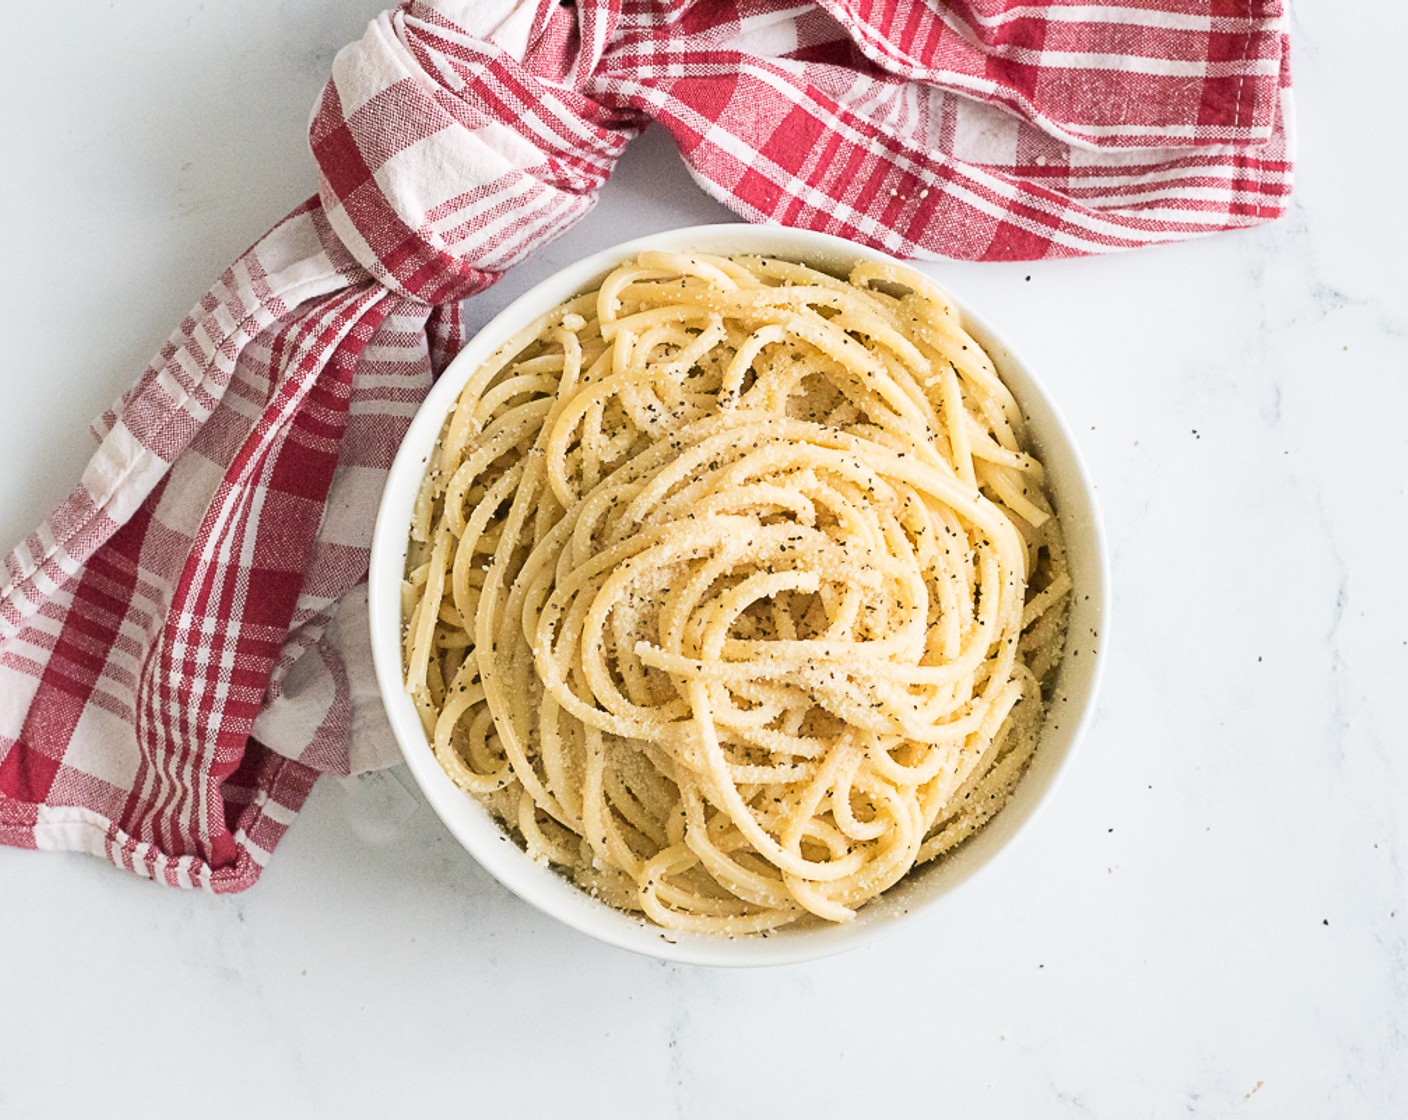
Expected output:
(733, 588)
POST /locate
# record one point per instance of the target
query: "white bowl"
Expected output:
(484, 839)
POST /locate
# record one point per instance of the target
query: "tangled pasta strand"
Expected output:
(733, 588)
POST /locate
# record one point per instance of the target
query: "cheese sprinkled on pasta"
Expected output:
(733, 588)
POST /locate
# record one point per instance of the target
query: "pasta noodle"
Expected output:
(733, 588)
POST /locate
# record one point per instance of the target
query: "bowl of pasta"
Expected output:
(736, 594)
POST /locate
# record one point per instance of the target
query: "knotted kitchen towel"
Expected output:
(184, 645)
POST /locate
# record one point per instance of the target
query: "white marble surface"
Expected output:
(1209, 921)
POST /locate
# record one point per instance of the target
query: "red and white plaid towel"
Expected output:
(184, 645)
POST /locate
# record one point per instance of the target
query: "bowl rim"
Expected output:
(537, 884)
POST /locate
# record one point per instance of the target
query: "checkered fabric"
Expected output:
(182, 642)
